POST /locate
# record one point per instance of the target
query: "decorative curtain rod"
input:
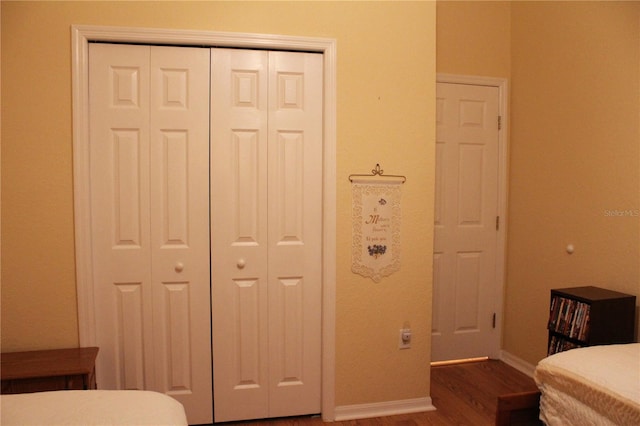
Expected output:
(378, 172)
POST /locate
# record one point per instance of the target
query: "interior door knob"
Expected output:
(241, 263)
(179, 267)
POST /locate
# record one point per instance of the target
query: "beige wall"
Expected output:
(386, 74)
(474, 38)
(573, 72)
(575, 158)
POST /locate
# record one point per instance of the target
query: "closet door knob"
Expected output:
(179, 267)
(241, 263)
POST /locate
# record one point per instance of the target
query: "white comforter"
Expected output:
(597, 385)
(91, 408)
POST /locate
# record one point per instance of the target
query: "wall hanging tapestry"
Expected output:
(376, 217)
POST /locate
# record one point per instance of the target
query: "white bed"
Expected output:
(597, 385)
(91, 408)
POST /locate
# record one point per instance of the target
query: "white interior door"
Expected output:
(266, 233)
(149, 146)
(466, 210)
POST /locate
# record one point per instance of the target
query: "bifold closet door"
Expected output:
(266, 232)
(149, 150)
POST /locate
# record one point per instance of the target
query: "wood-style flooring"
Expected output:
(464, 394)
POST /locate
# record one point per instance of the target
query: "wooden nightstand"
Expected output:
(56, 369)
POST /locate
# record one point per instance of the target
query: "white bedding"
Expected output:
(90, 408)
(597, 385)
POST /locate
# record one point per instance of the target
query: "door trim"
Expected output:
(81, 35)
(502, 85)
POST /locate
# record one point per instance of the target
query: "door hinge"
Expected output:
(499, 122)
(497, 223)
(494, 320)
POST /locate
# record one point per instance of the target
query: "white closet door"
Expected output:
(180, 227)
(119, 143)
(295, 232)
(266, 227)
(149, 110)
(239, 233)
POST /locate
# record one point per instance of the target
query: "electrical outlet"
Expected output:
(405, 338)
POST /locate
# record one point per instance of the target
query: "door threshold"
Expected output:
(458, 361)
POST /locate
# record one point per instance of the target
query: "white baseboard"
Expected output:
(517, 363)
(380, 409)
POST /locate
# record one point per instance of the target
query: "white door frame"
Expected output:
(81, 36)
(501, 84)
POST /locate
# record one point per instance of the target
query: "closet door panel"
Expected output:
(295, 232)
(119, 133)
(239, 233)
(149, 142)
(266, 207)
(179, 193)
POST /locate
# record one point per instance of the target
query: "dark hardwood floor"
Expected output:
(464, 394)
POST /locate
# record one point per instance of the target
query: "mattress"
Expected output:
(91, 408)
(597, 385)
